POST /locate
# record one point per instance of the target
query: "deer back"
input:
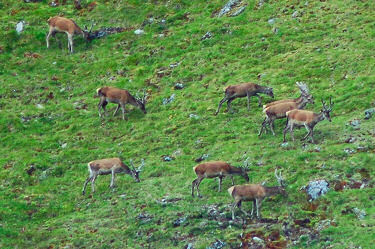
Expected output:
(212, 168)
(247, 191)
(301, 116)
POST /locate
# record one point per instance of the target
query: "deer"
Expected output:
(278, 111)
(255, 193)
(120, 97)
(308, 119)
(110, 166)
(214, 169)
(58, 24)
(303, 89)
(244, 90)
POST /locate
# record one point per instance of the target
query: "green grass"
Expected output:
(329, 47)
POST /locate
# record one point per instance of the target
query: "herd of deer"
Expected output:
(292, 109)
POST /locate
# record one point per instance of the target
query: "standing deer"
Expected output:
(278, 111)
(308, 119)
(60, 24)
(121, 98)
(110, 166)
(255, 193)
(214, 169)
(244, 90)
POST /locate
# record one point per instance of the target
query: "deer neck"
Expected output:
(317, 118)
(235, 170)
(272, 190)
(302, 102)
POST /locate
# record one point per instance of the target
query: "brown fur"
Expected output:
(215, 169)
(118, 96)
(244, 90)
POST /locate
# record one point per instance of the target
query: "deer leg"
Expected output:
(123, 112)
(48, 36)
(272, 124)
(308, 132)
(235, 203)
(243, 211)
(102, 104)
(263, 126)
(93, 179)
(291, 127)
(253, 207)
(220, 104)
(230, 105)
(220, 181)
(193, 184)
(231, 177)
(258, 205)
(312, 136)
(112, 179)
(70, 42)
(248, 101)
(118, 106)
(284, 132)
(85, 184)
(197, 186)
(259, 100)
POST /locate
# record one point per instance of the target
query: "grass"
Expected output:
(49, 120)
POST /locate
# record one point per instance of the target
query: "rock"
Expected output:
(350, 140)
(64, 145)
(178, 86)
(144, 217)
(168, 100)
(218, 244)
(20, 27)
(284, 145)
(139, 32)
(39, 106)
(189, 246)
(349, 151)
(54, 4)
(30, 170)
(369, 113)
(356, 123)
(295, 14)
(275, 30)
(359, 213)
(123, 196)
(272, 21)
(173, 65)
(232, 8)
(261, 3)
(317, 188)
(258, 240)
(206, 36)
(194, 116)
(167, 158)
(179, 221)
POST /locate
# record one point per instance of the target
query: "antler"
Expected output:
(303, 87)
(92, 24)
(142, 165)
(131, 163)
(143, 98)
(330, 103)
(279, 178)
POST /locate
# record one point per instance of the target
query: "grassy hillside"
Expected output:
(49, 121)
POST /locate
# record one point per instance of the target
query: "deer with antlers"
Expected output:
(120, 97)
(218, 169)
(279, 110)
(308, 119)
(60, 24)
(244, 90)
(255, 193)
(110, 166)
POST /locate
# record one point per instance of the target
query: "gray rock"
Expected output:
(194, 116)
(272, 21)
(167, 158)
(189, 246)
(168, 100)
(179, 86)
(238, 11)
(349, 151)
(317, 188)
(20, 27)
(295, 14)
(258, 240)
(179, 221)
(284, 145)
(206, 36)
(369, 113)
(139, 32)
(218, 244)
(356, 124)
(359, 213)
(228, 7)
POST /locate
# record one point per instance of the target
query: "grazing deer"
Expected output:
(308, 119)
(214, 169)
(60, 24)
(121, 98)
(278, 111)
(110, 166)
(255, 193)
(244, 90)
(304, 91)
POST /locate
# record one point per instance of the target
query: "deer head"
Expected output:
(141, 101)
(135, 172)
(305, 92)
(87, 32)
(327, 109)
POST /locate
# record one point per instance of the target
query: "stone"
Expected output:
(359, 213)
(168, 100)
(317, 188)
(139, 32)
(20, 27)
(206, 36)
(369, 113)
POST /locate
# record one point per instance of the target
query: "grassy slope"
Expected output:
(329, 47)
